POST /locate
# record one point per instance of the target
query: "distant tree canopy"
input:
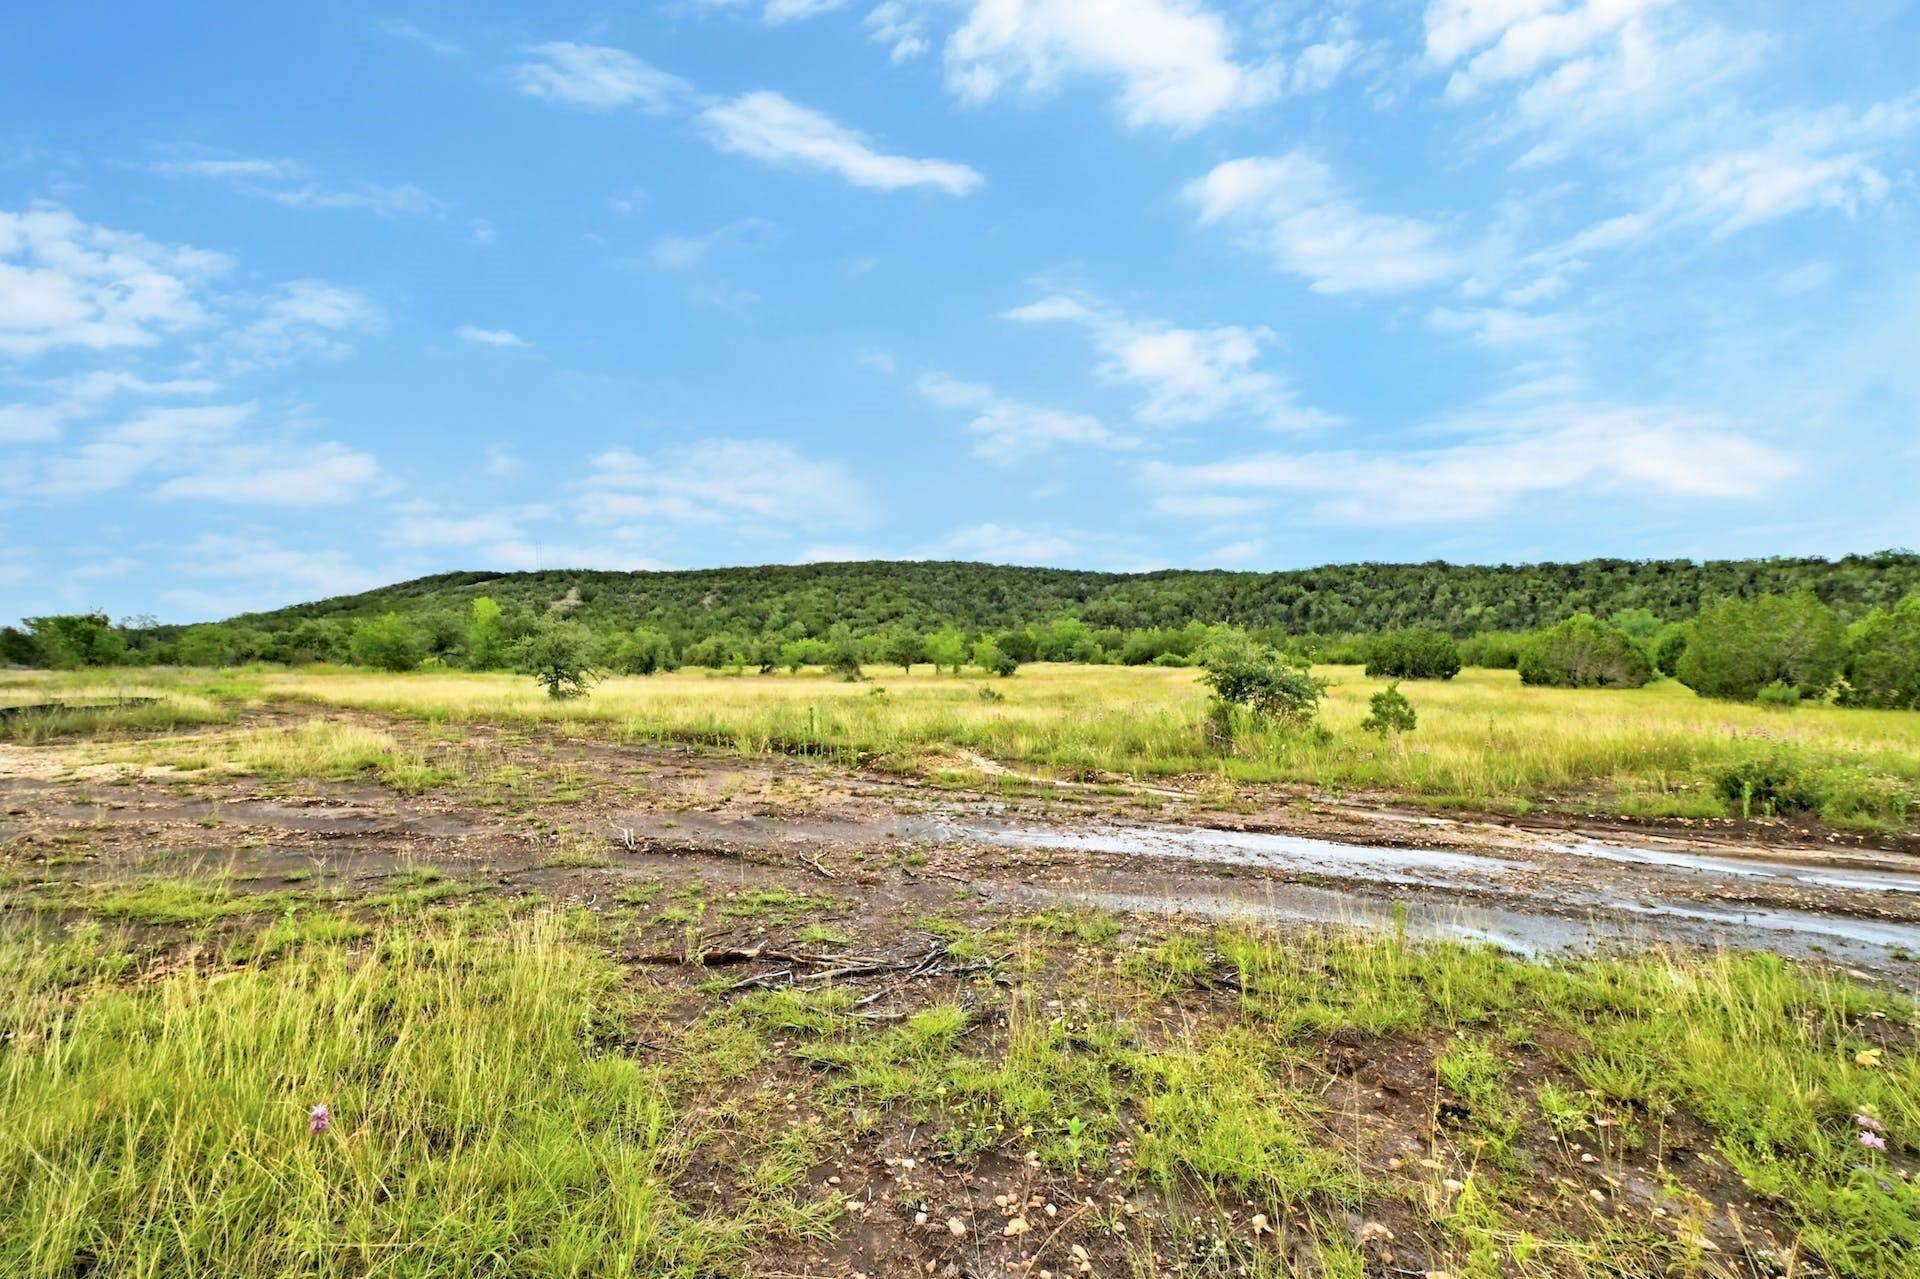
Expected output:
(1729, 628)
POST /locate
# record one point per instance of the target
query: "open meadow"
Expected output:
(1483, 741)
(325, 972)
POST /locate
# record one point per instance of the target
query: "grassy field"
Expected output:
(1483, 742)
(502, 1098)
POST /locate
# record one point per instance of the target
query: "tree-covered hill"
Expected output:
(926, 595)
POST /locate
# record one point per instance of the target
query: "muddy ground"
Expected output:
(593, 823)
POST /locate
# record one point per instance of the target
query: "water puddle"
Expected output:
(1245, 848)
(1748, 868)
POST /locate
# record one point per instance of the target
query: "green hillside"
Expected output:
(924, 595)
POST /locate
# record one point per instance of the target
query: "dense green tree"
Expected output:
(558, 655)
(67, 641)
(210, 645)
(486, 637)
(1668, 647)
(388, 642)
(990, 657)
(643, 651)
(947, 648)
(1413, 654)
(17, 648)
(1883, 658)
(1585, 652)
(903, 648)
(1738, 646)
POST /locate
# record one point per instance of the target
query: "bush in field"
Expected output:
(1585, 652)
(388, 642)
(1640, 624)
(317, 639)
(1389, 713)
(1667, 648)
(67, 641)
(1780, 695)
(989, 656)
(1413, 654)
(1243, 673)
(205, 646)
(557, 655)
(804, 652)
(1737, 647)
(1883, 658)
(643, 651)
(1493, 650)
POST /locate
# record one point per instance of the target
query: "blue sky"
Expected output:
(298, 300)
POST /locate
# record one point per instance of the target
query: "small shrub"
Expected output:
(388, 642)
(1389, 713)
(989, 656)
(1413, 654)
(1778, 694)
(1252, 675)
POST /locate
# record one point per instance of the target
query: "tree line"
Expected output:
(1850, 628)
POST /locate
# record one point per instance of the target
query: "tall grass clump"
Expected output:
(428, 1104)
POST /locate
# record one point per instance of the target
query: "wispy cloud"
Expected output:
(1293, 209)
(1188, 374)
(1010, 431)
(294, 184)
(738, 481)
(769, 127)
(597, 77)
(489, 337)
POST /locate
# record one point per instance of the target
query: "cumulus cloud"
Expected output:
(65, 283)
(1293, 209)
(1174, 59)
(767, 126)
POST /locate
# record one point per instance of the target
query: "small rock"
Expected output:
(956, 1227)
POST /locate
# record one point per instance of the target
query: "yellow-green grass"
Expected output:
(162, 1129)
(492, 1111)
(1483, 740)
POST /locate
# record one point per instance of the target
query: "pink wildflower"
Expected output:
(319, 1119)
(1864, 1120)
(1872, 1140)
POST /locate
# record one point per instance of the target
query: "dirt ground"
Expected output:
(876, 857)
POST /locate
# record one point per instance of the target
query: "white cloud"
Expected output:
(1291, 208)
(898, 24)
(998, 544)
(488, 337)
(598, 78)
(1010, 431)
(429, 528)
(242, 559)
(769, 127)
(679, 252)
(1503, 40)
(1242, 552)
(1562, 451)
(153, 439)
(305, 317)
(501, 461)
(840, 553)
(779, 12)
(722, 480)
(1189, 375)
(316, 474)
(68, 283)
(294, 184)
(1499, 326)
(1174, 59)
